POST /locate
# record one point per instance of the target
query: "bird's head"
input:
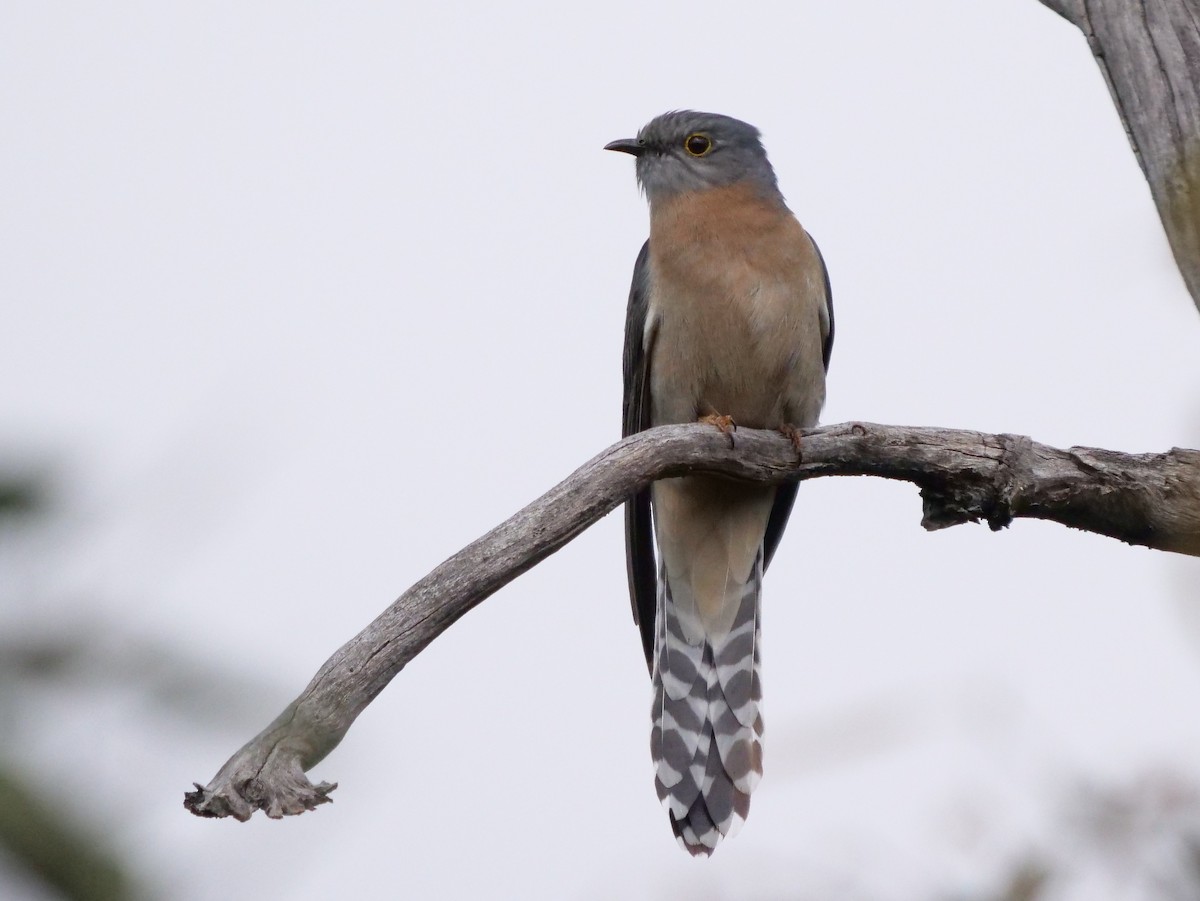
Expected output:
(685, 151)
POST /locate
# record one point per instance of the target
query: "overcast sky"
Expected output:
(298, 299)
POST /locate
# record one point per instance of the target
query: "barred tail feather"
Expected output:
(706, 740)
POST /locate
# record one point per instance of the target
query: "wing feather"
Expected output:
(785, 495)
(639, 531)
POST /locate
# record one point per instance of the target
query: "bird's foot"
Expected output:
(792, 434)
(725, 424)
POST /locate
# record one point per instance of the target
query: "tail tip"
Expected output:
(697, 845)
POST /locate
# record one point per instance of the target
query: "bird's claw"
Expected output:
(792, 434)
(725, 424)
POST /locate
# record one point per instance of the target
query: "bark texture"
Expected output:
(1149, 54)
(1145, 499)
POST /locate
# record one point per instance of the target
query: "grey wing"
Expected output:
(639, 530)
(785, 497)
(827, 344)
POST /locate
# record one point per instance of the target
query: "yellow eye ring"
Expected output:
(697, 144)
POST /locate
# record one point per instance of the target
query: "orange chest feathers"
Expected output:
(736, 290)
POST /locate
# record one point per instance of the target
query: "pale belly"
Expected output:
(752, 357)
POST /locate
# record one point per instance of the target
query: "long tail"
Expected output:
(706, 740)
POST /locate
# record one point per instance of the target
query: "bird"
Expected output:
(730, 322)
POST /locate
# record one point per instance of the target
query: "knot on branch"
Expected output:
(980, 493)
(1010, 476)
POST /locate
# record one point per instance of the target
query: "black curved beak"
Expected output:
(627, 145)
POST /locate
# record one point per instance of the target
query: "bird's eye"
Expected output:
(697, 144)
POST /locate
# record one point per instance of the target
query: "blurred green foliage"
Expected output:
(43, 841)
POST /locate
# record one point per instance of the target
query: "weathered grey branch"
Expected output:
(1149, 54)
(1146, 499)
(1071, 10)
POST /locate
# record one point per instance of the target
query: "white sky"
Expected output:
(302, 298)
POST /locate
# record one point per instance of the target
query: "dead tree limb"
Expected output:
(1149, 55)
(1144, 499)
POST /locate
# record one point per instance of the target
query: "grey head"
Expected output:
(684, 151)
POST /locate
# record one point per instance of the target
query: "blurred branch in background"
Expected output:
(1135, 838)
(1138, 841)
(101, 655)
(40, 837)
(44, 836)
(21, 495)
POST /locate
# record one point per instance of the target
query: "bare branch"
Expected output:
(1149, 54)
(1147, 499)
